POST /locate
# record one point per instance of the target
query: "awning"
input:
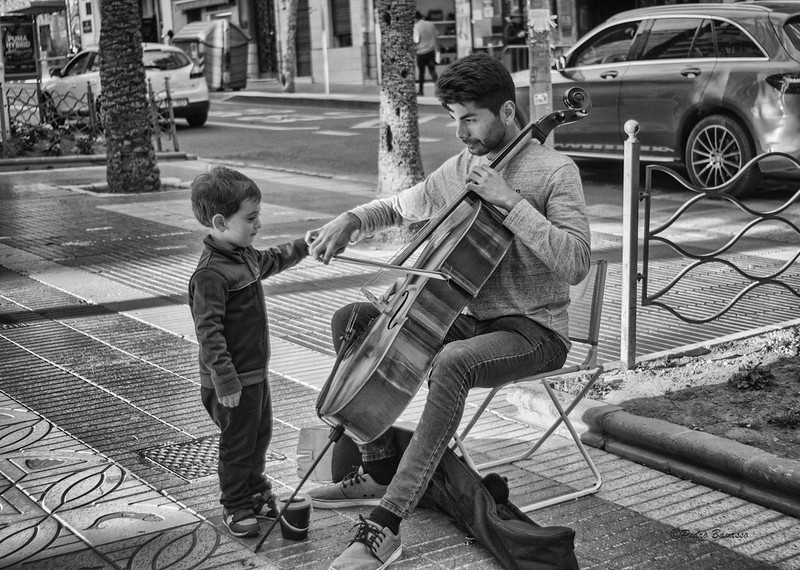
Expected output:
(30, 7)
(185, 5)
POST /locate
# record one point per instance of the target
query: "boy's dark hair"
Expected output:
(221, 190)
(478, 78)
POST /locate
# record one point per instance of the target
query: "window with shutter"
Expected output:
(342, 29)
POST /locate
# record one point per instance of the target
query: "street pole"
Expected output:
(325, 63)
(541, 89)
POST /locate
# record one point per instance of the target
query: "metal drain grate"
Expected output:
(192, 459)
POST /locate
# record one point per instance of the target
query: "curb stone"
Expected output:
(737, 469)
(52, 162)
(740, 470)
(729, 466)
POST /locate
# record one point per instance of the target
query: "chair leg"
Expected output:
(598, 481)
(563, 416)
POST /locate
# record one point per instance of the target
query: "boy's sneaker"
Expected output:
(373, 548)
(357, 489)
(266, 507)
(241, 523)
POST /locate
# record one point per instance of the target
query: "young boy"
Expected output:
(229, 312)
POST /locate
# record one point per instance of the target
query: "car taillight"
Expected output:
(196, 72)
(785, 82)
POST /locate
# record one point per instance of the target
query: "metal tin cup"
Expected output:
(297, 518)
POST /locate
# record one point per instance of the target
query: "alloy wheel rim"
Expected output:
(716, 156)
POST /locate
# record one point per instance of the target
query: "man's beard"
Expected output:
(493, 141)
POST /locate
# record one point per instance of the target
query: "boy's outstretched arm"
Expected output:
(276, 259)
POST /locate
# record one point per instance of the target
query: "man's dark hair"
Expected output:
(221, 191)
(417, 15)
(478, 78)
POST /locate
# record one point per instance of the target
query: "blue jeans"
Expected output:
(245, 434)
(476, 353)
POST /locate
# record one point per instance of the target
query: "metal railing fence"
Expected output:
(42, 123)
(726, 271)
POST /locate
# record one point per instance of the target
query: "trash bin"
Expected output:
(219, 48)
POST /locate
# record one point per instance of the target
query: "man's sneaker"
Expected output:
(357, 489)
(241, 523)
(373, 548)
(265, 506)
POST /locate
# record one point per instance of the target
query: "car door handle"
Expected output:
(691, 72)
(609, 74)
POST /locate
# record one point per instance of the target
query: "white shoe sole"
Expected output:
(395, 555)
(343, 503)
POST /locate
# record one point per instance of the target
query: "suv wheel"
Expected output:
(716, 150)
(197, 120)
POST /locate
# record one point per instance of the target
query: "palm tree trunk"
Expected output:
(131, 159)
(399, 162)
(289, 69)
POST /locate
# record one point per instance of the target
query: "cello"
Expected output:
(377, 374)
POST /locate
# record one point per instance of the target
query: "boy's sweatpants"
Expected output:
(245, 435)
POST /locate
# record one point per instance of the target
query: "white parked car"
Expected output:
(65, 91)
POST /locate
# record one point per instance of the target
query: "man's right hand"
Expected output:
(332, 238)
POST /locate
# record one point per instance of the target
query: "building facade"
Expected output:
(337, 40)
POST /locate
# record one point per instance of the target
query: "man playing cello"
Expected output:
(515, 327)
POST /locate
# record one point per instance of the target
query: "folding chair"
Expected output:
(584, 334)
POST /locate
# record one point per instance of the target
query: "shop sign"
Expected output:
(19, 49)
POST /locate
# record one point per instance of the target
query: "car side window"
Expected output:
(703, 45)
(76, 66)
(732, 41)
(94, 66)
(609, 46)
(670, 38)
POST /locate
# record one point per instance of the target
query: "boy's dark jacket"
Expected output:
(230, 316)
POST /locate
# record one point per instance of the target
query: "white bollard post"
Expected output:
(630, 245)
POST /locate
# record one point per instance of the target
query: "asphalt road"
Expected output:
(309, 140)
(344, 144)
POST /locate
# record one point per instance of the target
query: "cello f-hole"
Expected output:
(396, 319)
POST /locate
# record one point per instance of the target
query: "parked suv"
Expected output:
(65, 92)
(711, 86)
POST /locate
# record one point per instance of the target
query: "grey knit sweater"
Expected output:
(551, 246)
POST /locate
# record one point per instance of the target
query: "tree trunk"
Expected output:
(399, 162)
(131, 158)
(265, 37)
(289, 69)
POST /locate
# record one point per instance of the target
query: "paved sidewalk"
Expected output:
(107, 454)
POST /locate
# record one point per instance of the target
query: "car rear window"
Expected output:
(792, 29)
(165, 60)
(732, 41)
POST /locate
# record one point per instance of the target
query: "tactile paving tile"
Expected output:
(193, 459)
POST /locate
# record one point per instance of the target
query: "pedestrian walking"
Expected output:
(227, 304)
(426, 43)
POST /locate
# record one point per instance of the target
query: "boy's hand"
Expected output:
(332, 238)
(231, 400)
